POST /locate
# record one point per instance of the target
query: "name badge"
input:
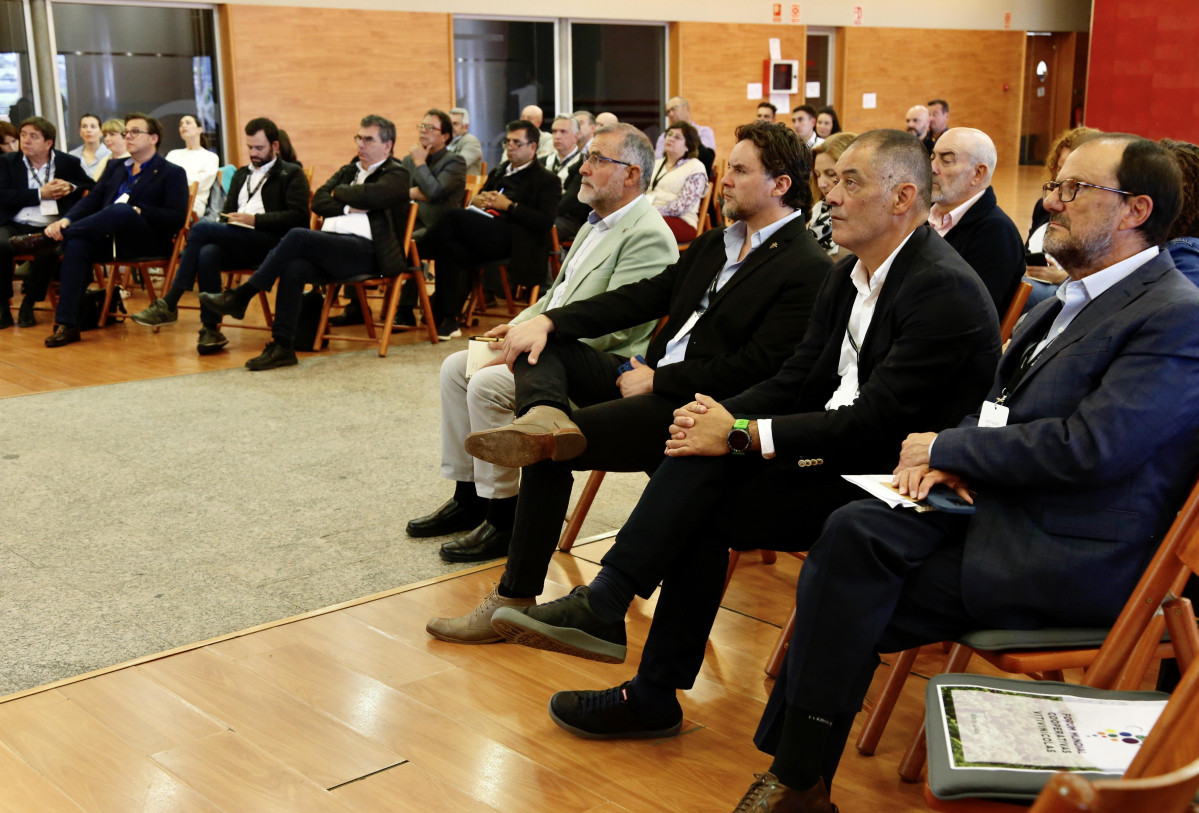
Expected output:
(49, 207)
(122, 199)
(992, 415)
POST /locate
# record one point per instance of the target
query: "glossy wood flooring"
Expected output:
(358, 709)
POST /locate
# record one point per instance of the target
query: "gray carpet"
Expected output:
(149, 515)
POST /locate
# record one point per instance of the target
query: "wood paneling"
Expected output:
(716, 61)
(903, 67)
(320, 70)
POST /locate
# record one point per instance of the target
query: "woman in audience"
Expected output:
(92, 153)
(824, 178)
(1041, 270)
(679, 181)
(201, 163)
(286, 151)
(827, 123)
(1183, 241)
(10, 138)
(113, 132)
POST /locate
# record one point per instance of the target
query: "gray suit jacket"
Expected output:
(441, 179)
(471, 151)
(1099, 451)
(640, 246)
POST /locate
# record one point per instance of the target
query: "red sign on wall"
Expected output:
(795, 14)
(857, 15)
(1007, 21)
(777, 12)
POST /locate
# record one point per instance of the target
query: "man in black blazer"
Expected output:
(738, 301)
(266, 199)
(522, 195)
(139, 204)
(365, 209)
(902, 338)
(967, 215)
(36, 184)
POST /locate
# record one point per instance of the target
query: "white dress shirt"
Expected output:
(353, 222)
(599, 228)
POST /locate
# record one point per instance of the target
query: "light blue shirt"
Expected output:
(734, 239)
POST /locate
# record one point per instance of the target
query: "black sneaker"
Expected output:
(210, 341)
(567, 625)
(448, 329)
(404, 318)
(224, 303)
(273, 355)
(611, 714)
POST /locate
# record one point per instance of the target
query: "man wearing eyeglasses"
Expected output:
(1075, 464)
(737, 302)
(37, 182)
(511, 217)
(966, 213)
(139, 204)
(365, 209)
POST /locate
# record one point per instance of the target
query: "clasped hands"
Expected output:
(492, 200)
(56, 189)
(913, 475)
(700, 428)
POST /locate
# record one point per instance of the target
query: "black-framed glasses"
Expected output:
(1067, 190)
(593, 158)
(511, 142)
(133, 133)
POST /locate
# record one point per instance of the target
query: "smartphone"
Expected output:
(628, 365)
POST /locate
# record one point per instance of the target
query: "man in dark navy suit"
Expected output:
(138, 206)
(36, 183)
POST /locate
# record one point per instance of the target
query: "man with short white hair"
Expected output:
(465, 143)
(966, 213)
(679, 109)
(565, 134)
(545, 145)
(917, 122)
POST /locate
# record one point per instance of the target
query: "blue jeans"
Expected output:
(90, 240)
(215, 247)
(307, 257)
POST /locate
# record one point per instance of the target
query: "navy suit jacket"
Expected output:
(989, 241)
(15, 193)
(1100, 449)
(160, 193)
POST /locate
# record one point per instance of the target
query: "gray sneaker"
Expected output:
(159, 313)
(211, 341)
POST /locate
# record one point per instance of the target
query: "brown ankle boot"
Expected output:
(768, 795)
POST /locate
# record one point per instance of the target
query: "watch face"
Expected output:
(739, 440)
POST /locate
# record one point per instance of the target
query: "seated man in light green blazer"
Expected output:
(623, 241)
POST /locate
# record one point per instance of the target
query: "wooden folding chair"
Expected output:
(702, 225)
(124, 269)
(473, 184)
(1129, 648)
(390, 288)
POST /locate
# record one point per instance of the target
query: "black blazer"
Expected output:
(536, 191)
(284, 196)
(15, 193)
(160, 193)
(750, 327)
(989, 241)
(928, 360)
(569, 205)
(383, 196)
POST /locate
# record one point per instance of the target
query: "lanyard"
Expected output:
(33, 173)
(653, 184)
(254, 190)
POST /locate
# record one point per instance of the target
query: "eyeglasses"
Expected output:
(514, 143)
(424, 128)
(1067, 190)
(364, 139)
(593, 158)
(133, 133)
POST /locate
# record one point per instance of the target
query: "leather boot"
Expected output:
(544, 432)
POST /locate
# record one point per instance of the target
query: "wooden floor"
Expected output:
(358, 709)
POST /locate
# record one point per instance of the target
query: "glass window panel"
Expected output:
(116, 59)
(622, 69)
(502, 66)
(16, 85)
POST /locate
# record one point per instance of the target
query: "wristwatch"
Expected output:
(739, 439)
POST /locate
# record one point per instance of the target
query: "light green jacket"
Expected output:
(640, 246)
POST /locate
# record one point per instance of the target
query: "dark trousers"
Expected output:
(459, 242)
(679, 534)
(44, 263)
(215, 247)
(307, 257)
(623, 434)
(90, 240)
(877, 580)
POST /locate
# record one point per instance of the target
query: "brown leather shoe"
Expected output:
(29, 243)
(768, 795)
(63, 334)
(542, 433)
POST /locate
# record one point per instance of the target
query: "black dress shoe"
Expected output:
(29, 243)
(611, 714)
(451, 518)
(273, 355)
(351, 315)
(224, 303)
(483, 543)
(63, 334)
(25, 315)
(404, 318)
(567, 625)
